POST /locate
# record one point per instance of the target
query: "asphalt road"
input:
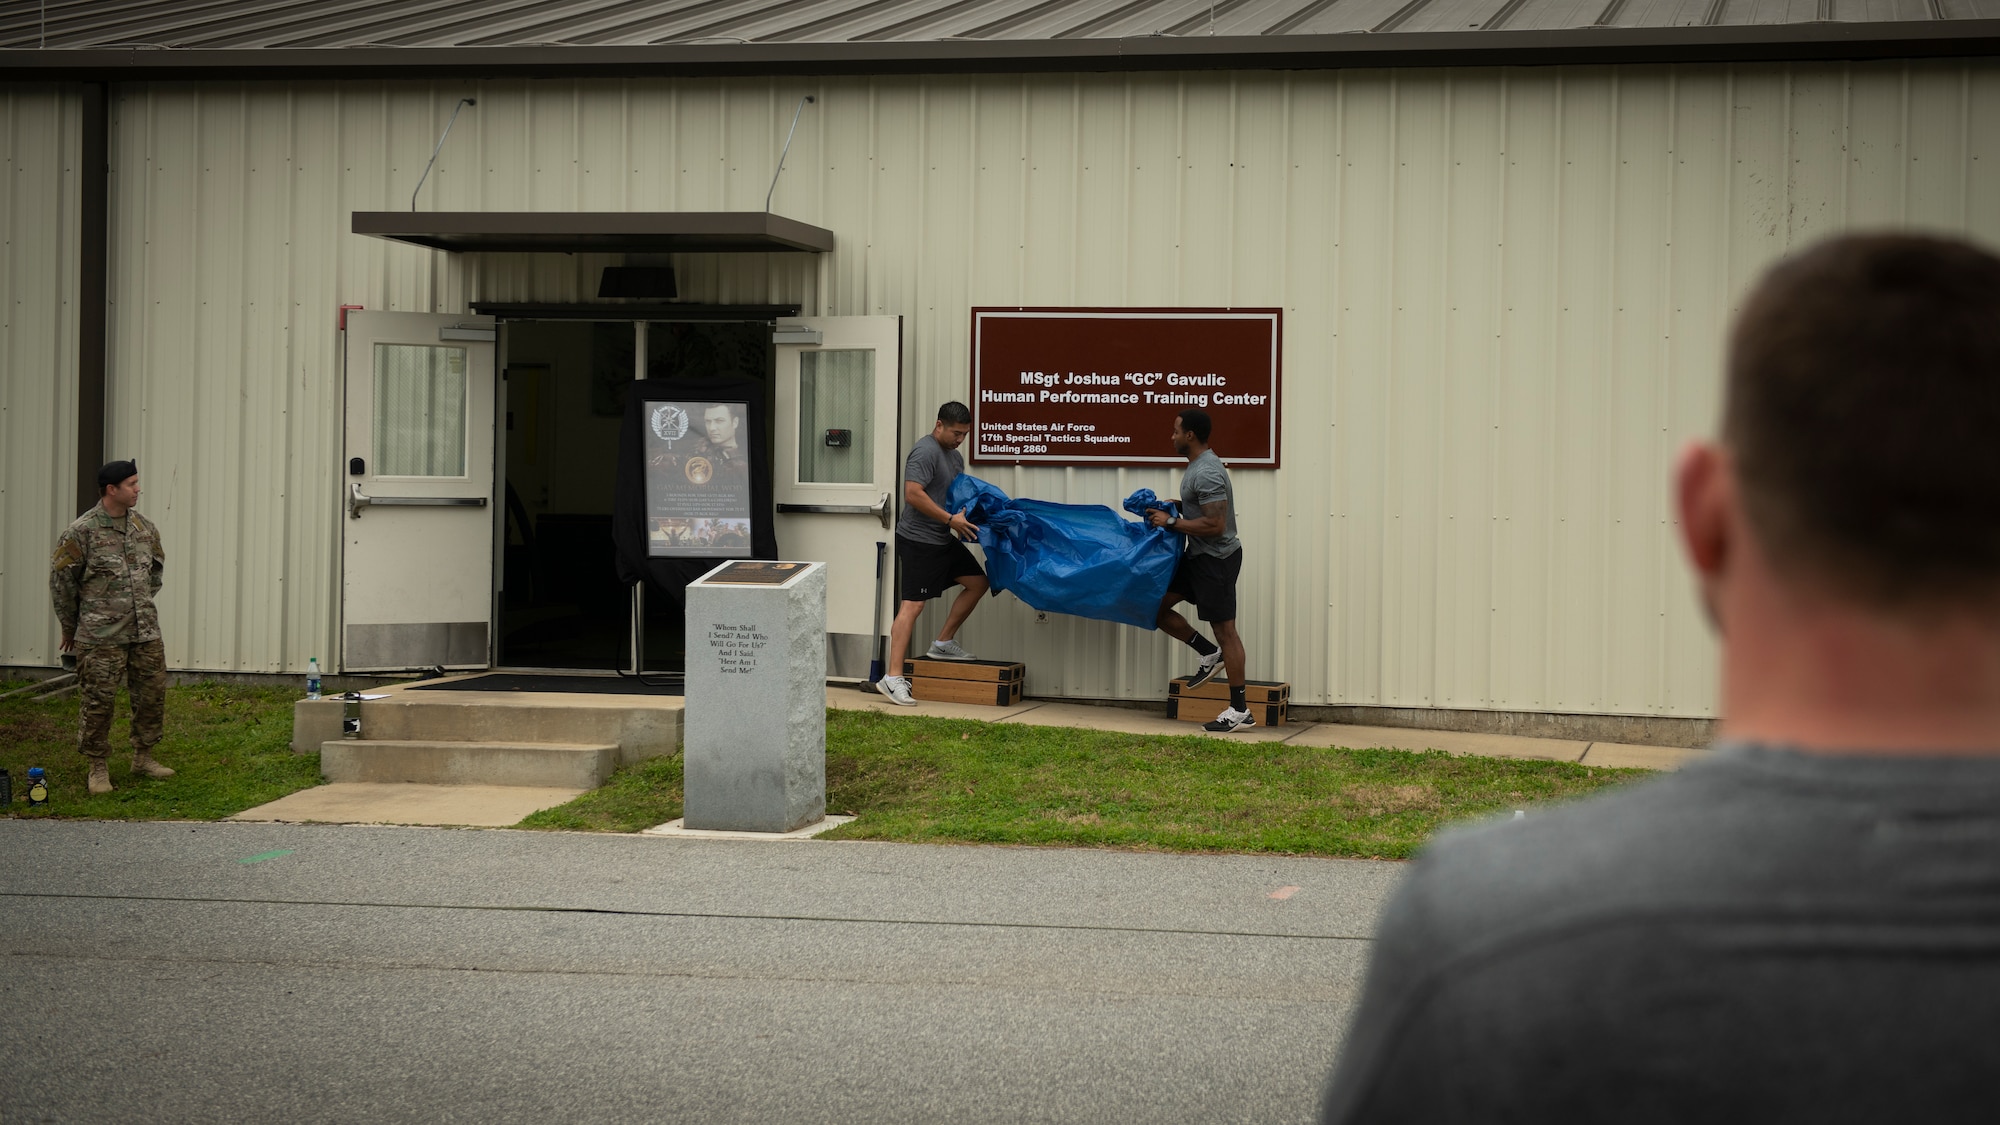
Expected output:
(177, 972)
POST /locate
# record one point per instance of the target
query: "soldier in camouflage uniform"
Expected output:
(106, 569)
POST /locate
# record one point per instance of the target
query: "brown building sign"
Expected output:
(1102, 386)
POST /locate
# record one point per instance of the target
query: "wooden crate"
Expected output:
(984, 671)
(1195, 709)
(966, 691)
(1254, 691)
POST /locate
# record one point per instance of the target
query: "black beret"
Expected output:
(117, 472)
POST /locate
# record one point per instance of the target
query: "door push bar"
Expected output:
(357, 501)
(879, 509)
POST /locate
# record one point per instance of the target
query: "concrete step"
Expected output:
(570, 765)
(641, 727)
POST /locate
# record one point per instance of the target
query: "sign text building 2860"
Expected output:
(1102, 386)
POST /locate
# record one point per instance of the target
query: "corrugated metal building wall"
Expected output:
(1504, 289)
(39, 136)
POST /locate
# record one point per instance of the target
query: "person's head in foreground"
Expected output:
(1804, 925)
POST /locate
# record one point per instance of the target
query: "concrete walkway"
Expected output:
(470, 806)
(497, 806)
(1055, 713)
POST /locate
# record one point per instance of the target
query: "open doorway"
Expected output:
(561, 604)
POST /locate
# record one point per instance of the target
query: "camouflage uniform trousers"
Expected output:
(142, 667)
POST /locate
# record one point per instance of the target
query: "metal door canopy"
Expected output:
(598, 232)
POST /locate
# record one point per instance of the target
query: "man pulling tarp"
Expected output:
(930, 543)
(1087, 561)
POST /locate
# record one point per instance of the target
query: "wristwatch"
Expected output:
(1173, 521)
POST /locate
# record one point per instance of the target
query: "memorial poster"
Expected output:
(1102, 386)
(697, 479)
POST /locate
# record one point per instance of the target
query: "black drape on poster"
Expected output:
(655, 411)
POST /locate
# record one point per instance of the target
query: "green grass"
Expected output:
(230, 747)
(637, 796)
(962, 781)
(908, 778)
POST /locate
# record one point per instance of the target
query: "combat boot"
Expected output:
(142, 762)
(100, 776)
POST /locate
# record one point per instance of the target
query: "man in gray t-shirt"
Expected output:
(930, 545)
(1804, 926)
(931, 466)
(1207, 573)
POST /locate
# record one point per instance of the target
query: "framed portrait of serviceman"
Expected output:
(697, 473)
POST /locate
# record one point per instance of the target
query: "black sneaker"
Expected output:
(1230, 719)
(1205, 671)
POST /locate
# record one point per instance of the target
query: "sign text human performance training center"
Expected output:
(1102, 386)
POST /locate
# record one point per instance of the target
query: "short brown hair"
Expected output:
(1863, 413)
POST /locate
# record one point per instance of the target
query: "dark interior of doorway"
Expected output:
(561, 682)
(561, 604)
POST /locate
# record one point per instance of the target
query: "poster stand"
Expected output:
(693, 486)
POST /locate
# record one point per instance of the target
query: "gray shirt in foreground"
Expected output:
(934, 467)
(1765, 936)
(1204, 482)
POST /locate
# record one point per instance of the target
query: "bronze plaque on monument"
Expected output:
(757, 573)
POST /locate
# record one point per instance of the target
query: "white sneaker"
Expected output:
(947, 650)
(1205, 671)
(1230, 719)
(897, 689)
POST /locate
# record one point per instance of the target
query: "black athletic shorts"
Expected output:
(1210, 583)
(929, 569)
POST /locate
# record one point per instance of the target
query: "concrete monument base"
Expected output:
(755, 741)
(679, 828)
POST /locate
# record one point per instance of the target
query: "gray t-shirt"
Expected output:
(1204, 482)
(1767, 935)
(934, 467)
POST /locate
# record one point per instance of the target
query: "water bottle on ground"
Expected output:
(312, 678)
(38, 786)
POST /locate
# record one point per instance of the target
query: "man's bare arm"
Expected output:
(1213, 520)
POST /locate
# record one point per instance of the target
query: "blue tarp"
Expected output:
(1081, 559)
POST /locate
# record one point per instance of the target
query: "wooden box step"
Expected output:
(1195, 709)
(1254, 691)
(983, 671)
(966, 691)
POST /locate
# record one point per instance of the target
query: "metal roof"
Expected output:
(247, 24)
(333, 37)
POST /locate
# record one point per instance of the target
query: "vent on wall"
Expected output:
(637, 281)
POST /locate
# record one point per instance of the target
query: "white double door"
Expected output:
(417, 492)
(837, 473)
(418, 483)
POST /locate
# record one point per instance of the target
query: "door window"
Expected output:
(419, 411)
(836, 423)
